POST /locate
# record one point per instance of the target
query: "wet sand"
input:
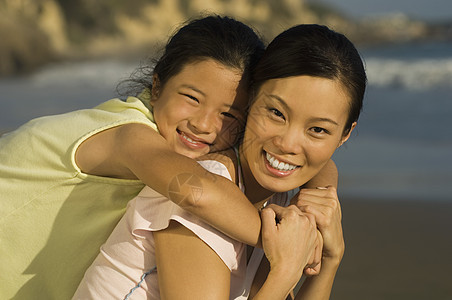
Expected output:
(395, 250)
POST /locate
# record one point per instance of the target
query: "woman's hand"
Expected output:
(323, 204)
(289, 238)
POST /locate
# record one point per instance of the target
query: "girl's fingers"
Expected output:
(287, 228)
(314, 265)
(268, 217)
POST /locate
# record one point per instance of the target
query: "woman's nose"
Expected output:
(289, 142)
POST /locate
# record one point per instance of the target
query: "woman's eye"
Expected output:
(277, 113)
(319, 130)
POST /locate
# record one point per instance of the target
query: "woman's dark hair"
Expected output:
(315, 50)
(226, 40)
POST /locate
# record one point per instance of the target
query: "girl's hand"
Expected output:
(289, 238)
(315, 263)
(323, 204)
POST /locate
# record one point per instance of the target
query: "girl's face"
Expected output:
(293, 128)
(201, 109)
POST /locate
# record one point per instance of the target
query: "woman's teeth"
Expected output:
(276, 164)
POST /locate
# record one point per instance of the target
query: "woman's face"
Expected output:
(201, 109)
(293, 128)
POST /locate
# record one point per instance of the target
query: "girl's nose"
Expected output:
(204, 122)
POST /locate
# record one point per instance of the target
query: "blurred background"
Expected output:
(396, 170)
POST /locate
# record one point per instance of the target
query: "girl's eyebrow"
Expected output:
(188, 86)
(191, 87)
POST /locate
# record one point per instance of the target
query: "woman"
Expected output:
(307, 95)
(308, 90)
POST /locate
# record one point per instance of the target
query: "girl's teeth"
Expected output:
(279, 165)
(189, 139)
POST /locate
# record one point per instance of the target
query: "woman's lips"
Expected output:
(278, 167)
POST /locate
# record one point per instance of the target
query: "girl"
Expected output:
(307, 95)
(65, 180)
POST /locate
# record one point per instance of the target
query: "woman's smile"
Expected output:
(294, 126)
(278, 167)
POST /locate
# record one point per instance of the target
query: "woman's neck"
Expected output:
(253, 190)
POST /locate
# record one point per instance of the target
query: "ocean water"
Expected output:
(401, 149)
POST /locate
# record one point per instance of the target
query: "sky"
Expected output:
(431, 10)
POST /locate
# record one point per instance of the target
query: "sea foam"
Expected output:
(419, 74)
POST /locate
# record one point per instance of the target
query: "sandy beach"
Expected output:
(395, 250)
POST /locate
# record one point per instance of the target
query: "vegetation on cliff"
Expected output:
(35, 32)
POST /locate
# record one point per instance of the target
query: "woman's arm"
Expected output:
(328, 176)
(187, 267)
(292, 230)
(190, 265)
(324, 206)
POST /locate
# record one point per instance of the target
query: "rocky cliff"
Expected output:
(35, 32)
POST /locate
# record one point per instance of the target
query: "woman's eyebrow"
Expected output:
(279, 99)
(325, 120)
(286, 106)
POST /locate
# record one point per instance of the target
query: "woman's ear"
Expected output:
(155, 91)
(346, 136)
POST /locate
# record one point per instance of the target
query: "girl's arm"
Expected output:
(188, 267)
(137, 151)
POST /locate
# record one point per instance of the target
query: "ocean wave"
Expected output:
(421, 74)
(85, 73)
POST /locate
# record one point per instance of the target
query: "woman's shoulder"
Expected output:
(226, 159)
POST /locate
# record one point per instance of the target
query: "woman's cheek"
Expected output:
(320, 152)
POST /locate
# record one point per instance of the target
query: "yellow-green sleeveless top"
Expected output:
(53, 217)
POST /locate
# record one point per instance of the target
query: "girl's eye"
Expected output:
(277, 113)
(229, 115)
(191, 97)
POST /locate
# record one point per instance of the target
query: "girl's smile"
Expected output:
(192, 141)
(199, 109)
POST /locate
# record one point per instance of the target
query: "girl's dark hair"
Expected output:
(226, 40)
(315, 50)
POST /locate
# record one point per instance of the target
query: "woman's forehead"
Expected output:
(301, 94)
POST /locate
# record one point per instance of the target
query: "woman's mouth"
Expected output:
(278, 167)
